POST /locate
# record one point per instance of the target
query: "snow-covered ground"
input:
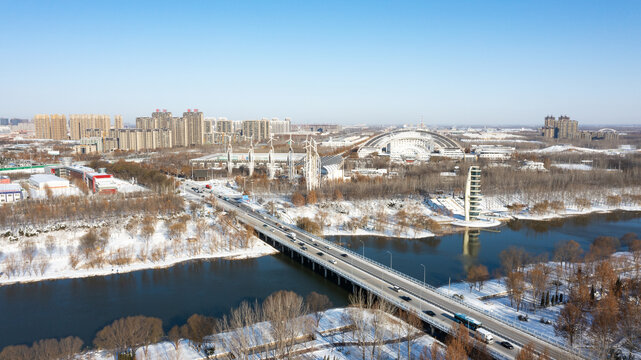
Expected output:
(339, 214)
(125, 250)
(582, 167)
(334, 337)
(127, 186)
(598, 204)
(571, 148)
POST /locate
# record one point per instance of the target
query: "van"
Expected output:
(484, 335)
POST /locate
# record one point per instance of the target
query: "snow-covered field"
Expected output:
(124, 251)
(337, 215)
(334, 337)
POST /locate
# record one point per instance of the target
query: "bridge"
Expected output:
(414, 142)
(350, 268)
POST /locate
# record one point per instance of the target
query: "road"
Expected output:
(381, 280)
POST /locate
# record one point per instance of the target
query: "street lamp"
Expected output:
(423, 284)
(363, 246)
(390, 259)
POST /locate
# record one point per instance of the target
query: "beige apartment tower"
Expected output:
(118, 122)
(51, 126)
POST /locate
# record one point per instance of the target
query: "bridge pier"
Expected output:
(325, 272)
(302, 258)
(339, 279)
(313, 266)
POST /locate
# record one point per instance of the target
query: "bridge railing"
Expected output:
(505, 320)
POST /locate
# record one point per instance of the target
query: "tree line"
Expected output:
(72, 208)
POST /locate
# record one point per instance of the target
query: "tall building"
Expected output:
(118, 122)
(43, 126)
(195, 123)
(280, 126)
(563, 128)
(179, 131)
(80, 123)
(473, 193)
(256, 129)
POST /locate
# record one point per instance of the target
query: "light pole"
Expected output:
(390, 259)
(423, 284)
(363, 246)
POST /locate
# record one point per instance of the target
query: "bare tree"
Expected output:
(604, 327)
(411, 325)
(69, 347)
(570, 323)
(515, 284)
(527, 352)
(317, 304)
(458, 343)
(285, 311)
(539, 277)
(197, 328)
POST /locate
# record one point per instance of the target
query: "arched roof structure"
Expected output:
(417, 143)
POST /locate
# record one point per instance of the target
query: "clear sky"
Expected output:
(452, 62)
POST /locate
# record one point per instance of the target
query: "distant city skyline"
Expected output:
(494, 63)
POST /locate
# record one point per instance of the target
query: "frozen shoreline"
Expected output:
(263, 250)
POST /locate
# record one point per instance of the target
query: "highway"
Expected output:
(381, 280)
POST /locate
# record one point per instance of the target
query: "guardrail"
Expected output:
(537, 334)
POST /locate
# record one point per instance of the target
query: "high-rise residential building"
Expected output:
(258, 130)
(42, 124)
(80, 123)
(280, 126)
(563, 128)
(118, 122)
(473, 193)
(179, 131)
(162, 119)
(195, 123)
(58, 127)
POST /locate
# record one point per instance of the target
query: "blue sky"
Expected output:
(377, 62)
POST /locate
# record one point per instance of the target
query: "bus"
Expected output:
(469, 322)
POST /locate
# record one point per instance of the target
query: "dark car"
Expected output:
(507, 345)
(319, 253)
(303, 247)
(523, 317)
(429, 312)
(405, 298)
(344, 255)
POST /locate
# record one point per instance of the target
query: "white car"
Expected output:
(332, 261)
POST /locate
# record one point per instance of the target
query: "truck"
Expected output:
(484, 336)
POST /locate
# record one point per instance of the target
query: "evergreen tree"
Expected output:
(561, 297)
(542, 300)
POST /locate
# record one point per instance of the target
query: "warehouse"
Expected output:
(40, 181)
(10, 193)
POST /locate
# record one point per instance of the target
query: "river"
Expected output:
(81, 307)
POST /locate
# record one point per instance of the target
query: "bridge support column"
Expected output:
(339, 279)
(301, 259)
(325, 272)
(313, 266)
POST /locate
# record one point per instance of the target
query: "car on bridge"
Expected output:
(395, 288)
(320, 253)
(507, 345)
(332, 261)
(405, 298)
(429, 312)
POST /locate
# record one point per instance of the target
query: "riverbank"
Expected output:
(121, 247)
(335, 337)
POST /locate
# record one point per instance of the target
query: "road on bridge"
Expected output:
(382, 281)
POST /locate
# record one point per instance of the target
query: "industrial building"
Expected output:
(10, 193)
(97, 181)
(42, 181)
(4, 179)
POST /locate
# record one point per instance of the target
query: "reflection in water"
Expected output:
(471, 242)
